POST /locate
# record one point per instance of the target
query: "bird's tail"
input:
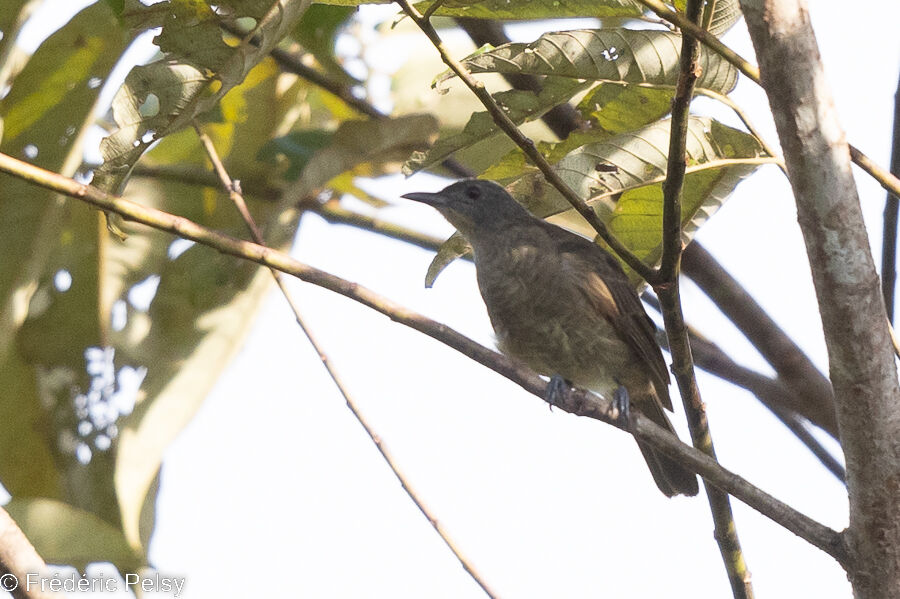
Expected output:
(671, 477)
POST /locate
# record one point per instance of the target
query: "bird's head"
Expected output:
(474, 206)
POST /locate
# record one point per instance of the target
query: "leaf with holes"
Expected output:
(536, 9)
(198, 68)
(619, 55)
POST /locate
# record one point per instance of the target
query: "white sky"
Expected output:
(275, 488)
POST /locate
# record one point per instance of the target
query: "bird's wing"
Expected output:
(611, 292)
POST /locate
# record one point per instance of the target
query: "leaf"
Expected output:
(626, 192)
(205, 302)
(620, 55)
(520, 107)
(47, 111)
(317, 32)
(63, 534)
(297, 148)
(536, 9)
(455, 247)
(571, 61)
(198, 68)
(609, 108)
(725, 14)
(619, 108)
(376, 142)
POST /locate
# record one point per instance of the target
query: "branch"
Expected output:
(888, 181)
(811, 393)
(667, 287)
(231, 187)
(507, 126)
(18, 561)
(860, 355)
(578, 401)
(770, 392)
(889, 232)
(709, 357)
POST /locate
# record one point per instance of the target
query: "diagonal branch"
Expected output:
(578, 401)
(232, 188)
(667, 288)
(811, 393)
(773, 394)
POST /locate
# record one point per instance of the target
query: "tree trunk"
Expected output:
(861, 359)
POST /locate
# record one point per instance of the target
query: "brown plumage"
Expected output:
(563, 305)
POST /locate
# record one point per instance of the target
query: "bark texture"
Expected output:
(861, 361)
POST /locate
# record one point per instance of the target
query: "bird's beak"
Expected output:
(432, 199)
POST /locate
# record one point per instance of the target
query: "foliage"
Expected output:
(108, 347)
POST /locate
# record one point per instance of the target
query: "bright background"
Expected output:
(275, 489)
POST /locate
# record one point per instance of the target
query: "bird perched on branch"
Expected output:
(563, 306)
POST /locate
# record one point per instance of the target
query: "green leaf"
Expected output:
(725, 14)
(455, 247)
(520, 107)
(621, 178)
(376, 143)
(610, 109)
(571, 62)
(63, 534)
(47, 111)
(620, 55)
(297, 148)
(198, 68)
(317, 32)
(205, 302)
(536, 9)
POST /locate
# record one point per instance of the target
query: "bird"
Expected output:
(562, 305)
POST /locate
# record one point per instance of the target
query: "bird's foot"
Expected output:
(556, 391)
(622, 403)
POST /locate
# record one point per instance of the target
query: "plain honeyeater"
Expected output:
(563, 306)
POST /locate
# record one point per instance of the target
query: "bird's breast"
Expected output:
(541, 315)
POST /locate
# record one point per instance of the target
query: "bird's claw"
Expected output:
(556, 391)
(622, 403)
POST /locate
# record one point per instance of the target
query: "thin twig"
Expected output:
(668, 290)
(578, 401)
(232, 188)
(20, 562)
(527, 145)
(888, 181)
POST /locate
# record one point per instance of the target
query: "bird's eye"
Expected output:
(473, 192)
